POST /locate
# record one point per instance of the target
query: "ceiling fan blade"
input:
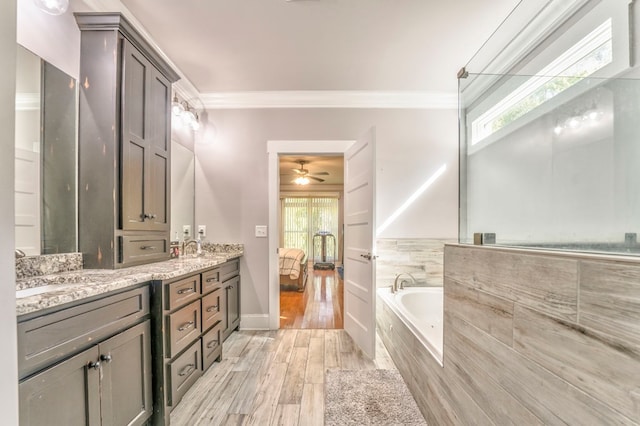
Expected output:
(317, 179)
(322, 173)
(299, 171)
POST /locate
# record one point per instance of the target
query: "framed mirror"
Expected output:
(46, 157)
(182, 190)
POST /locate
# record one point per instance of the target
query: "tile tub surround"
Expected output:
(530, 337)
(422, 258)
(66, 287)
(31, 266)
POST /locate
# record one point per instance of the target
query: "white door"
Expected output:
(359, 261)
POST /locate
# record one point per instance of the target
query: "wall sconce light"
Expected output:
(52, 7)
(183, 111)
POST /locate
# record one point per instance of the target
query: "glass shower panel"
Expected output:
(562, 172)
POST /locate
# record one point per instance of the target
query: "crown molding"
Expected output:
(330, 99)
(183, 87)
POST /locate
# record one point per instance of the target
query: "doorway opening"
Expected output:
(310, 241)
(297, 149)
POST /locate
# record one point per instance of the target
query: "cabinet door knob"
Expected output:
(106, 358)
(149, 216)
(94, 365)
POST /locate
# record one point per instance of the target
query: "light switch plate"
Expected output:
(186, 230)
(202, 230)
(261, 231)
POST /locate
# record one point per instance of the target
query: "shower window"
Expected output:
(302, 217)
(584, 58)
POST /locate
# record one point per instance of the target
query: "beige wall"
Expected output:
(529, 338)
(231, 174)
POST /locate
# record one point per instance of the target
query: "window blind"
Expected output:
(303, 217)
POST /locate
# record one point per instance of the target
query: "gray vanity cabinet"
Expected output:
(107, 383)
(65, 394)
(124, 145)
(230, 276)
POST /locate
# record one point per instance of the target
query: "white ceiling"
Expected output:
(363, 45)
(333, 165)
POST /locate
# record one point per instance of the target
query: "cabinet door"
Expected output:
(136, 135)
(160, 144)
(232, 288)
(65, 394)
(126, 376)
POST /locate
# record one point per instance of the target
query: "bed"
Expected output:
(293, 269)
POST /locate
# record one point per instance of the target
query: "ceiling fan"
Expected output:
(304, 177)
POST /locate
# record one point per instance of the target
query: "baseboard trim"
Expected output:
(254, 322)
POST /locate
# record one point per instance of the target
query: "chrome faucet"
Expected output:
(20, 254)
(187, 243)
(397, 286)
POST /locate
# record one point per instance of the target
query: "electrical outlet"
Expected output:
(202, 230)
(186, 231)
(261, 231)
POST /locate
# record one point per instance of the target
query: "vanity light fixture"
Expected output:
(52, 7)
(182, 111)
(578, 119)
(176, 107)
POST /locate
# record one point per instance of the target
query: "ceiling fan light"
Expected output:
(301, 180)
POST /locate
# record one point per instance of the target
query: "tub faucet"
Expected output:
(400, 285)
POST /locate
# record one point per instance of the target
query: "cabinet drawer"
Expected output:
(211, 346)
(144, 249)
(210, 280)
(49, 338)
(183, 327)
(229, 270)
(182, 373)
(182, 292)
(211, 309)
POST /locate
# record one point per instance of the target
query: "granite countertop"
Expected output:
(47, 291)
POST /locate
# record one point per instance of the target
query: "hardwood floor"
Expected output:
(320, 306)
(272, 378)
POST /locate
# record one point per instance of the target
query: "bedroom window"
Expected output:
(302, 217)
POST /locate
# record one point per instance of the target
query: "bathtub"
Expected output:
(421, 310)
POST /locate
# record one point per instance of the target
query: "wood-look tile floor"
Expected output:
(272, 378)
(321, 304)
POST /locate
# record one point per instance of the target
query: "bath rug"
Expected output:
(369, 397)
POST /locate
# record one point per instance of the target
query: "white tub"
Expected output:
(421, 310)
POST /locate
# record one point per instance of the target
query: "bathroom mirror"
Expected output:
(182, 190)
(45, 157)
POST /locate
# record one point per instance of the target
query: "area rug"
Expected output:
(369, 397)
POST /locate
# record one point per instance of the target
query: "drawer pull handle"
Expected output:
(212, 308)
(211, 280)
(187, 370)
(147, 247)
(106, 358)
(212, 344)
(184, 327)
(186, 290)
(94, 365)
